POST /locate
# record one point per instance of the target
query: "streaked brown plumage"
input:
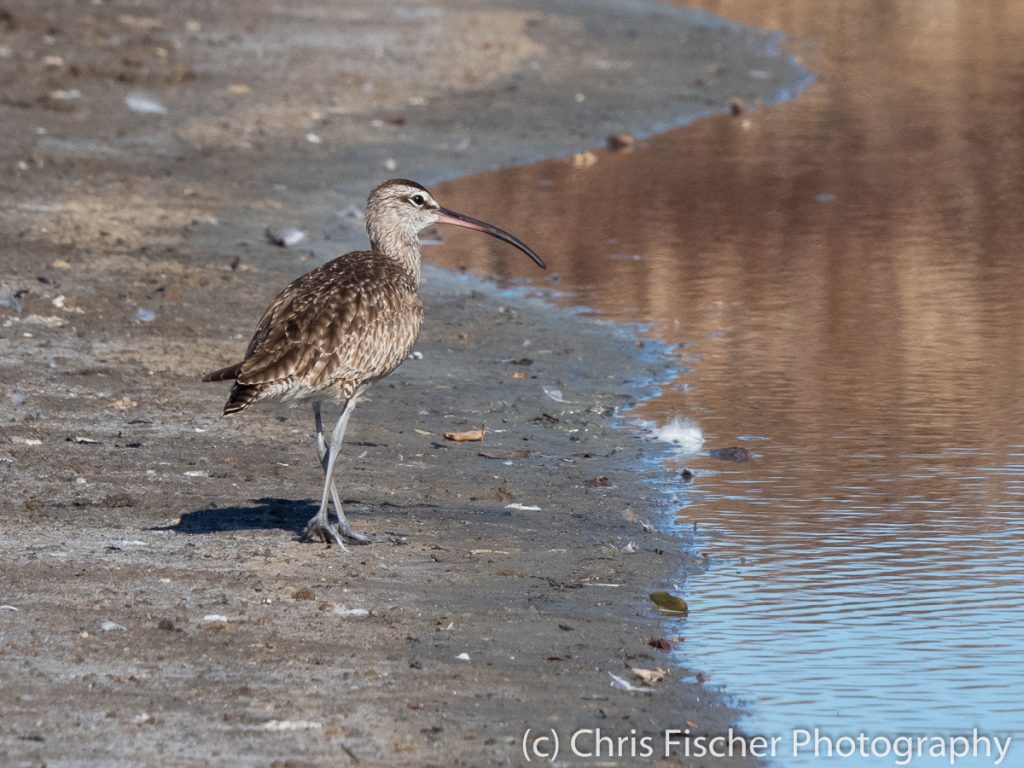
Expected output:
(337, 329)
(330, 333)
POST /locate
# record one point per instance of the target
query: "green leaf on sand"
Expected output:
(669, 603)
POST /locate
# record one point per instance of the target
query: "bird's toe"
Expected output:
(353, 537)
(318, 531)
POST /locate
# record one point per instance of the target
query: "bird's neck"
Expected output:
(402, 248)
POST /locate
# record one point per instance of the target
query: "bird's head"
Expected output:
(398, 209)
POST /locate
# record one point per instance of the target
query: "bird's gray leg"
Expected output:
(321, 450)
(319, 527)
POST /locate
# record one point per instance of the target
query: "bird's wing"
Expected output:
(352, 320)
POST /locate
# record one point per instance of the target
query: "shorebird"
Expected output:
(339, 328)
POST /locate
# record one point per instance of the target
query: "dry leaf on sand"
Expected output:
(650, 676)
(470, 436)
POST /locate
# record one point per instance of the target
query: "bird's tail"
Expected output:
(241, 397)
(224, 374)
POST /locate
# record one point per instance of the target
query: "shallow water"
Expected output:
(843, 273)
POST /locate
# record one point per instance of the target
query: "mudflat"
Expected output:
(157, 610)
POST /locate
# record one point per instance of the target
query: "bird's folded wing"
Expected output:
(323, 331)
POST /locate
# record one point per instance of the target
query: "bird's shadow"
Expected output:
(270, 513)
(263, 514)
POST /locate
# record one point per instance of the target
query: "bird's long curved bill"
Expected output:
(444, 216)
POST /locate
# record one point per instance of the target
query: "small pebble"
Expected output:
(735, 453)
(110, 626)
(291, 725)
(144, 104)
(144, 315)
(72, 94)
(18, 399)
(118, 500)
(620, 141)
(351, 613)
(584, 159)
(9, 301)
(463, 657)
(285, 236)
(312, 138)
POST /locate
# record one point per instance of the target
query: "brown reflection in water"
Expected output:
(845, 271)
(847, 262)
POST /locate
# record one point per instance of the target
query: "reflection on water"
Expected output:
(844, 272)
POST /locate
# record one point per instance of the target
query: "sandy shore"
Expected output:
(131, 505)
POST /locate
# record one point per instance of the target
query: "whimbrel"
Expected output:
(352, 321)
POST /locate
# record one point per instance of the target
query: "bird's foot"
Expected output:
(346, 527)
(319, 529)
(352, 537)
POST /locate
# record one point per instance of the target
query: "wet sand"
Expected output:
(129, 500)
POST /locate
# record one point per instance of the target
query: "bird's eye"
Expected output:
(418, 200)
